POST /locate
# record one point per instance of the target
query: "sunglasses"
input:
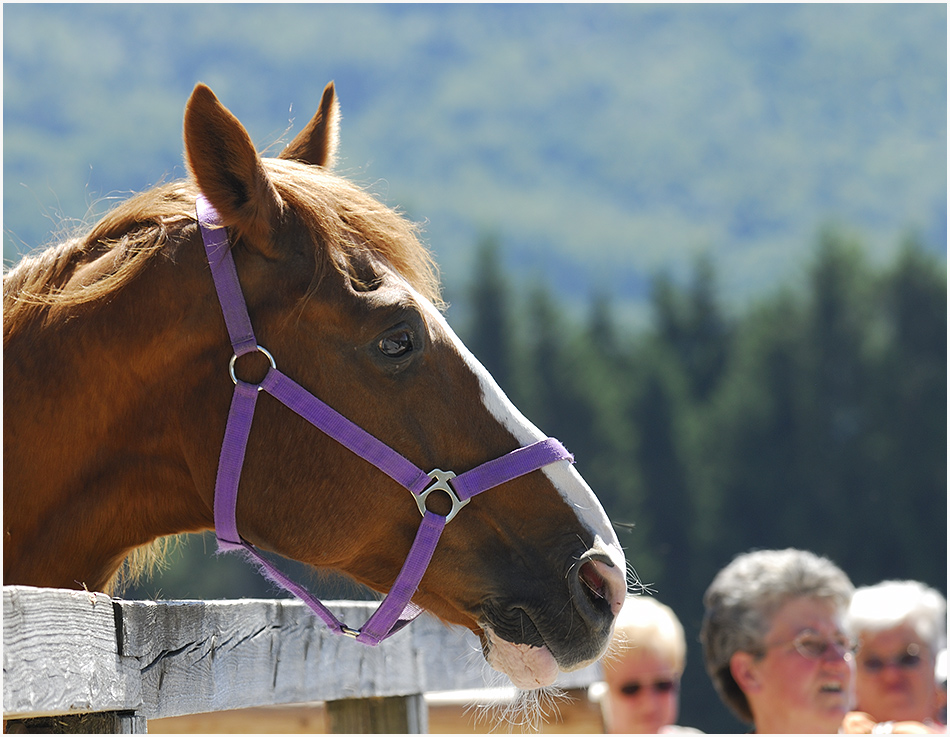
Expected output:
(906, 661)
(659, 687)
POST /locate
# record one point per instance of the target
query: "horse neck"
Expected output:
(95, 464)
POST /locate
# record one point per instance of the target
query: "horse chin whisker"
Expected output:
(525, 711)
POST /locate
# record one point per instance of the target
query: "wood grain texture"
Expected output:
(60, 655)
(207, 656)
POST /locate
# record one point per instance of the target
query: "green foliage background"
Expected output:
(815, 419)
(704, 246)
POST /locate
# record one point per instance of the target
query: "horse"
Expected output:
(117, 394)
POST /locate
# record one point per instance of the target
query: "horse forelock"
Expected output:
(342, 217)
(346, 219)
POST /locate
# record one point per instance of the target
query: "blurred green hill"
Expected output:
(601, 143)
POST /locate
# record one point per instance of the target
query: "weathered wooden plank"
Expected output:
(207, 656)
(215, 655)
(67, 652)
(60, 655)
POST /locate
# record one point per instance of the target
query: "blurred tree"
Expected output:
(685, 361)
(541, 373)
(667, 510)
(906, 409)
(753, 434)
(604, 333)
(490, 335)
(831, 472)
(693, 326)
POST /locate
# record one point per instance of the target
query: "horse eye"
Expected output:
(397, 344)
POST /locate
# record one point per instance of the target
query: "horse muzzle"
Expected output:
(534, 639)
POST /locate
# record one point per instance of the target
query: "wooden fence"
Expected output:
(77, 661)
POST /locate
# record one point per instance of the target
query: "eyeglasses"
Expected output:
(813, 646)
(659, 687)
(906, 661)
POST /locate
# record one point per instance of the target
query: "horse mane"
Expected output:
(343, 218)
(142, 562)
(132, 232)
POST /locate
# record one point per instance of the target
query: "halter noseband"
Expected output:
(396, 609)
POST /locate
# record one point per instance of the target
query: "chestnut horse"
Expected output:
(117, 393)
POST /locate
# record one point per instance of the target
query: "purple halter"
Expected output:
(397, 609)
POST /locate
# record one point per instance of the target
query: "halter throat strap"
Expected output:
(396, 609)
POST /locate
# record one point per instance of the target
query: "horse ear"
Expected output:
(228, 170)
(316, 144)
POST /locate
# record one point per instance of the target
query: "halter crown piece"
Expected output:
(397, 609)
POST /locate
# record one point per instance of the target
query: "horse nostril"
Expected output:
(592, 593)
(600, 585)
(596, 585)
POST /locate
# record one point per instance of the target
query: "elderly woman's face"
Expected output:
(895, 676)
(804, 681)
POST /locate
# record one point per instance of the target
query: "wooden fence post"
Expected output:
(378, 715)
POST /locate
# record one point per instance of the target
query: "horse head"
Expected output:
(345, 299)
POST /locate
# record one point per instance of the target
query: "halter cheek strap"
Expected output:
(397, 609)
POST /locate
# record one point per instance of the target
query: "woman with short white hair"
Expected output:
(901, 627)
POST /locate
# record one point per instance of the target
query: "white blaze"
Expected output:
(562, 474)
(533, 667)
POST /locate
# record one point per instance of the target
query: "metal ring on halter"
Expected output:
(260, 349)
(440, 482)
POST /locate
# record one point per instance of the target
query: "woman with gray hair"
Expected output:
(775, 642)
(901, 627)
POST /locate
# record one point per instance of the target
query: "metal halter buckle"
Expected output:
(234, 358)
(440, 482)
